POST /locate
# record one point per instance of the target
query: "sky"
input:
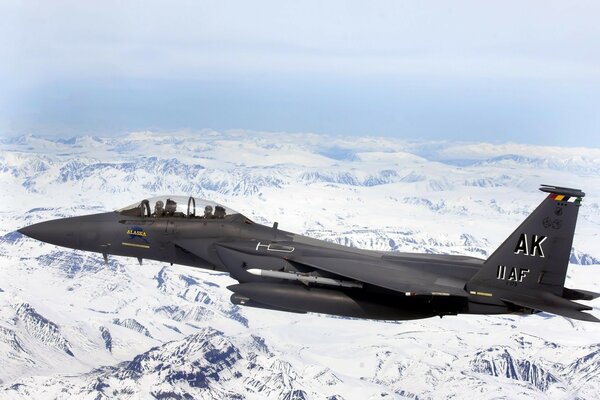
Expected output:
(443, 70)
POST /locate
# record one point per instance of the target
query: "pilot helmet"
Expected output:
(208, 209)
(160, 204)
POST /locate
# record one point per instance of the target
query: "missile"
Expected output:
(304, 278)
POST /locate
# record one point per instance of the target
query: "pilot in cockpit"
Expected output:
(170, 208)
(219, 212)
(208, 212)
(159, 210)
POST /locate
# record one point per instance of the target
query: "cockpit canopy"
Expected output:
(177, 206)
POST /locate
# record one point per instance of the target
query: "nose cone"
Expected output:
(60, 232)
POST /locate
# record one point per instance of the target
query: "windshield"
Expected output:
(177, 206)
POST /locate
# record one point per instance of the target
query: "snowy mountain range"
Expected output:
(73, 327)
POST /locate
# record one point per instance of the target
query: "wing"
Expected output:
(383, 274)
(369, 269)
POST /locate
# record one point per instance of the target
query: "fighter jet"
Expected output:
(284, 271)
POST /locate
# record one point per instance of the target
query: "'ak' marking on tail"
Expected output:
(530, 248)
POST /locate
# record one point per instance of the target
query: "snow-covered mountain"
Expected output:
(73, 327)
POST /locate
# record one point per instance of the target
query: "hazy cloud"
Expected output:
(64, 54)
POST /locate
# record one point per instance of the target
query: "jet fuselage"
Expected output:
(284, 271)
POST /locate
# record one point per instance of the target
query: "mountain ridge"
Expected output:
(121, 321)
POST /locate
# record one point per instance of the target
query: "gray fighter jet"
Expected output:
(283, 271)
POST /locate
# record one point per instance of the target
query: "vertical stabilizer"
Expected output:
(536, 255)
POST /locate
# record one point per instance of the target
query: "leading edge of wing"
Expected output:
(388, 277)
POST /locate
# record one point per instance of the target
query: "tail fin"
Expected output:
(536, 255)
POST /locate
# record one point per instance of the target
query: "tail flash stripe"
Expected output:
(562, 197)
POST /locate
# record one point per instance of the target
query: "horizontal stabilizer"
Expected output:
(554, 305)
(579, 294)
